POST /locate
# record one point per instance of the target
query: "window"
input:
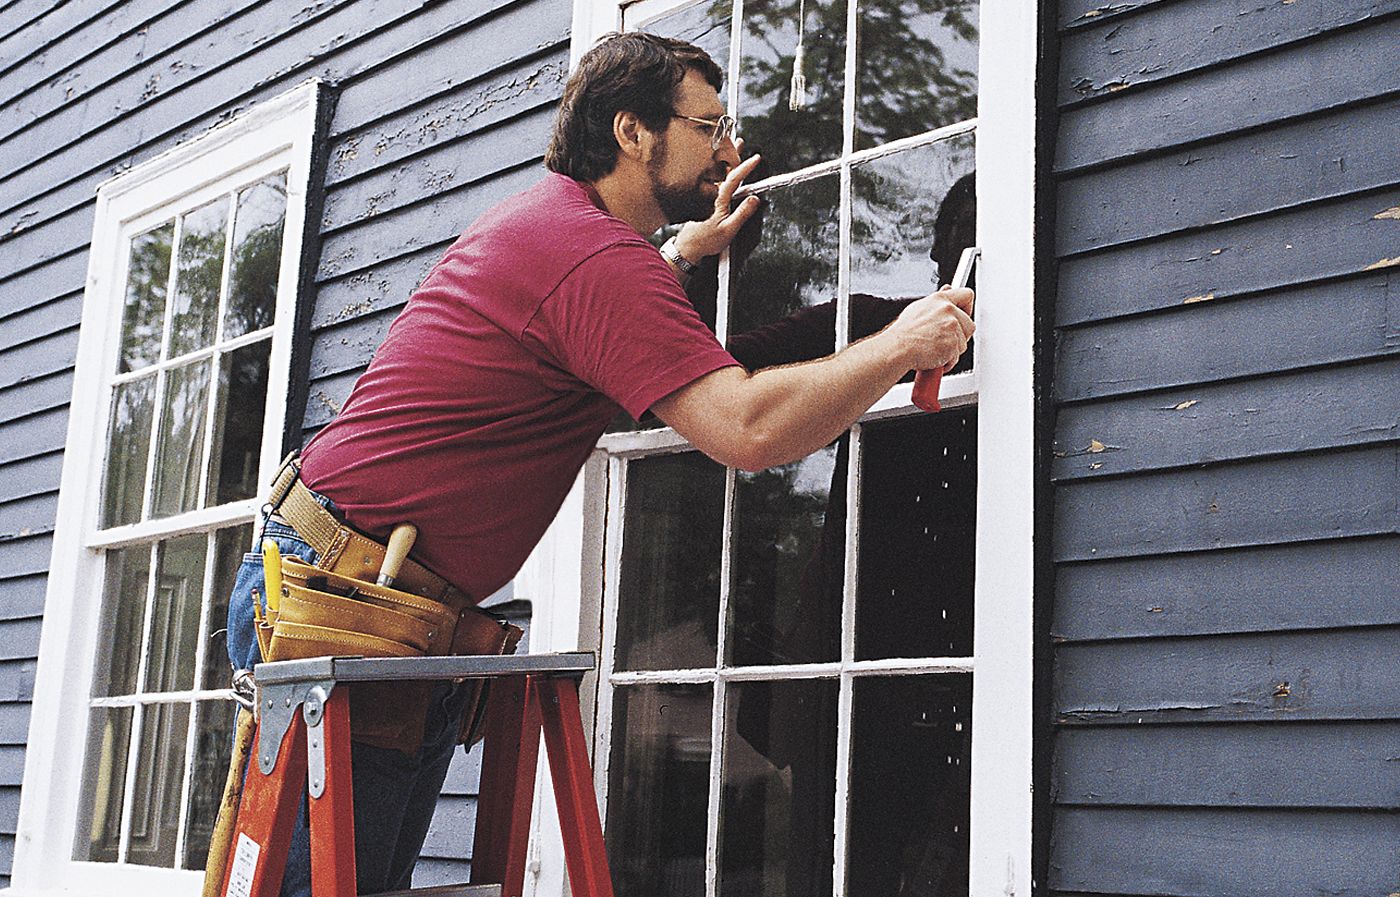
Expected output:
(183, 365)
(817, 679)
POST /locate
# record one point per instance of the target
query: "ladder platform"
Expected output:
(445, 891)
(381, 669)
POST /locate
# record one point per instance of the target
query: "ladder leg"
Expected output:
(510, 753)
(266, 816)
(584, 852)
(331, 818)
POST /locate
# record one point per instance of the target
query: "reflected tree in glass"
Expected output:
(143, 314)
(257, 256)
(180, 447)
(238, 423)
(198, 276)
(128, 447)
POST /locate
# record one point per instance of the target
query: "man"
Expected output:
(548, 315)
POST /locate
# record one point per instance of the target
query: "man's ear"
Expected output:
(633, 138)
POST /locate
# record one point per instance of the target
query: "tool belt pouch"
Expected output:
(326, 613)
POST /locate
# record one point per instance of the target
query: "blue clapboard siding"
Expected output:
(1226, 449)
(442, 110)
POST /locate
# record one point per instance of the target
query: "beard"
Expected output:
(680, 202)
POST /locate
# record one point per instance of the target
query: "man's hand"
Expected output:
(934, 330)
(700, 239)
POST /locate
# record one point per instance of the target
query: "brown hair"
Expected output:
(630, 72)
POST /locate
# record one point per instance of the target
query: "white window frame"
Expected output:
(564, 577)
(272, 136)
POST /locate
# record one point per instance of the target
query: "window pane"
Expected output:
(705, 24)
(180, 449)
(916, 67)
(147, 281)
(779, 793)
(175, 616)
(789, 561)
(160, 771)
(658, 790)
(229, 546)
(257, 255)
(668, 602)
(123, 620)
(918, 517)
(100, 817)
(788, 138)
(238, 423)
(910, 782)
(793, 268)
(128, 446)
(213, 749)
(199, 271)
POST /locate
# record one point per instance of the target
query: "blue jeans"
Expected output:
(394, 792)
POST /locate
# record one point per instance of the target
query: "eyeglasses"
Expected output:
(724, 127)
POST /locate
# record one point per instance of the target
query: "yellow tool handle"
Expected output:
(400, 544)
(272, 574)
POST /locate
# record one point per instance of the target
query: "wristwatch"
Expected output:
(672, 253)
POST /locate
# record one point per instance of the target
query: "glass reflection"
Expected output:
(668, 600)
(128, 576)
(910, 786)
(229, 547)
(147, 280)
(214, 720)
(100, 816)
(789, 562)
(180, 448)
(792, 138)
(918, 516)
(128, 446)
(658, 790)
(916, 67)
(160, 771)
(175, 613)
(199, 271)
(238, 423)
(779, 789)
(794, 265)
(705, 24)
(257, 255)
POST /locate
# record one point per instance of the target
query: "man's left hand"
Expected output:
(701, 239)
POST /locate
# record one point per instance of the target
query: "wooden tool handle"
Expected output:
(400, 544)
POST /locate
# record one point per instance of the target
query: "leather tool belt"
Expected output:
(335, 608)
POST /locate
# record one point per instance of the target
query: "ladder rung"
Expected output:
(446, 891)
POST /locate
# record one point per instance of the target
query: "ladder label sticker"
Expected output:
(245, 863)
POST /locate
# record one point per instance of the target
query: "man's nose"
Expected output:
(727, 152)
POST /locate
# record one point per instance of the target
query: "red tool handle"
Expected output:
(925, 394)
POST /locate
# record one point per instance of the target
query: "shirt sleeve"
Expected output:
(620, 323)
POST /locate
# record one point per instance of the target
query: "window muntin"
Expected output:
(805, 656)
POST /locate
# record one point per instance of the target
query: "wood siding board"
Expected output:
(1328, 323)
(22, 517)
(1092, 13)
(1306, 245)
(425, 176)
(1315, 585)
(103, 49)
(1338, 154)
(25, 557)
(451, 115)
(374, 289)
(17, 679)
(1276, 500)
(47, 354)
(39, 244)
(1337, 765)
(35, 435)
(1225, 853)
(349, 346)
(511, 28)
(35, 396)
(14, 722)
(450, 833)
(9, 811)
(1170, 40)
(22, 596)
(1342, 674)
(326, 396)
(45, 317)
(432, 872)
(1310, 410)
(61, 276)
(19, 639)
(464, 775)
(439, 220)
(19, 21)
(11, 765)
(1334, 70)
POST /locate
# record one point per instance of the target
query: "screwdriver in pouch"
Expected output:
(927, 383)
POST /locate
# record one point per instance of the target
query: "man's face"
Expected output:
(685, 170)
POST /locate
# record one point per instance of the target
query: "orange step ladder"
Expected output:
(302, 745)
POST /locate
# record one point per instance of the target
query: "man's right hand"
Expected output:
(933, 331)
